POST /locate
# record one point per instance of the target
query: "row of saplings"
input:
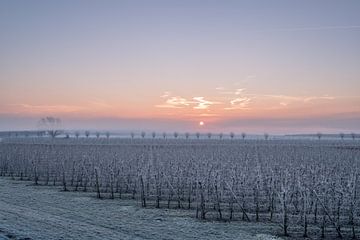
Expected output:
(304, 206)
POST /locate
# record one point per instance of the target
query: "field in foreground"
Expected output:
(299, 188)
(42, 212)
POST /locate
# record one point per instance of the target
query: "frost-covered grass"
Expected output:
(303, 187)
(42, 212)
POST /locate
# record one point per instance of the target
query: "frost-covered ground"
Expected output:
(39, 212)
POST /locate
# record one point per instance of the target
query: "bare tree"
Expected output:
(197, 135)
(209, 135)
(283, 197)
(97, 183)
(77, 134)
(153, 134)
(51, 125)
(132, 134)
(176, 135)
(243, 135)
(221, 135)
(319, 135)
(164, 135)
(97, 134)
(107, 134)
(143, 134)
(353, 136)
(187, 135)
(87, 134)
(232, 135)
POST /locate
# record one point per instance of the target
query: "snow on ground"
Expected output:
(40, 212)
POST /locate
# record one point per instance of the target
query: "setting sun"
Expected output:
(201, 123)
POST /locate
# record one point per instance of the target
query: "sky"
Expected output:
(253, 66)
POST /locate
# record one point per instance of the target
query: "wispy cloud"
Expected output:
(98, 103)
(284, 98)
(175, 102)
(181, 102)
(201, 103)
(239, 91)
(236, 91)
(239, 103)
(309, 99)
(238, 99)
(48, 108)
(167, 106)
(166, 94)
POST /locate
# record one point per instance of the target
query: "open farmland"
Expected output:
(43, 212)
(302, 187)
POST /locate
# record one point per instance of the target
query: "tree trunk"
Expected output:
(97, 183)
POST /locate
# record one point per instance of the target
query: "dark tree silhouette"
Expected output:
(243, 135)
(51, 125)
(87, 134)
(232, 135)
(187, 135)
(319, 135)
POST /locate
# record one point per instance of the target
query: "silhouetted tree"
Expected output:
(51, 125)
(353, 136)
(187, 135)
(243, 135)
(87, 134)
(232, 135)
(319, 135)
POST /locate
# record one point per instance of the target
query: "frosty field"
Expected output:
(178, 188)
(42, 212)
